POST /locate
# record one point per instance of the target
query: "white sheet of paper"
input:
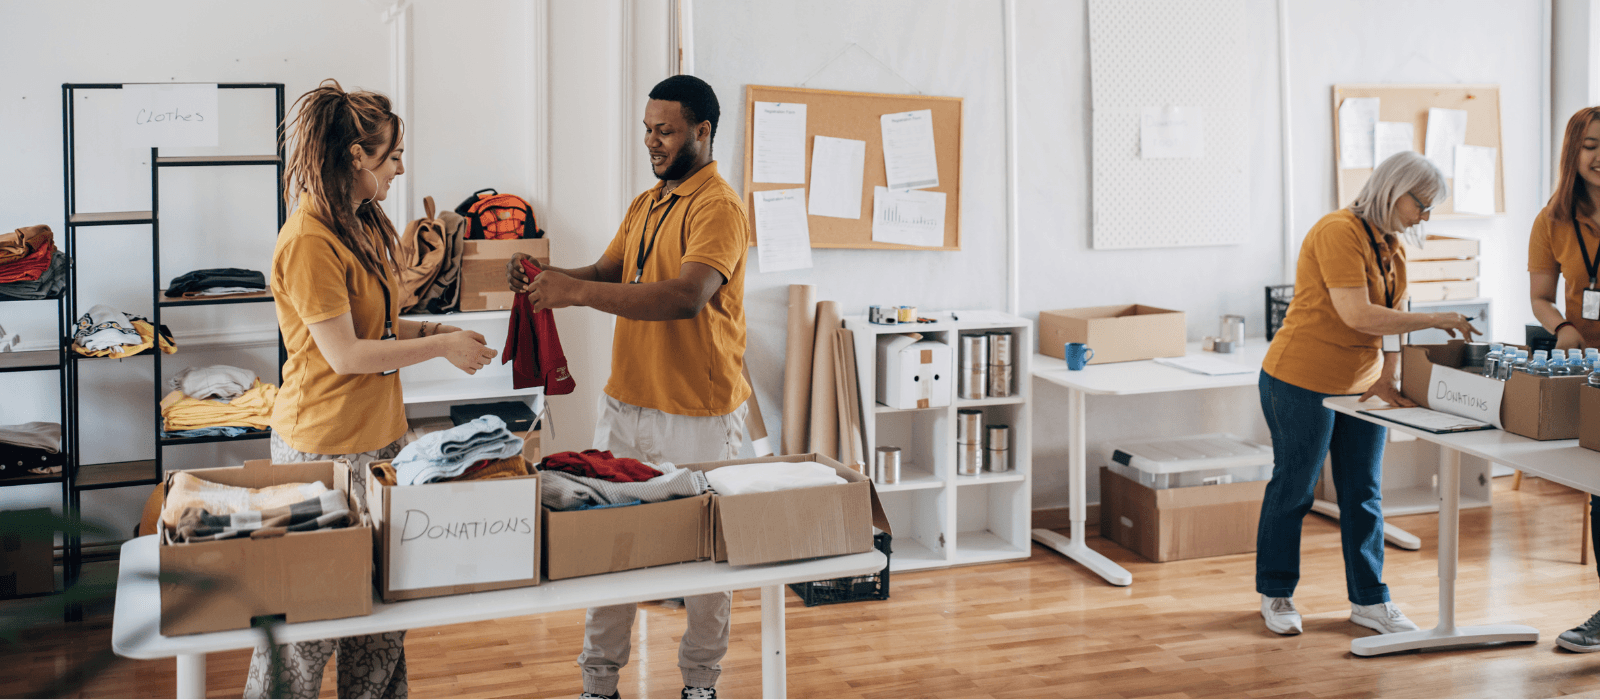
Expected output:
(1426, 419)
(1358, 117)
(1474, 180)
(909, 159)
(1210, 366)
(783, 236)
(908, 217)
(1447, 128)
(1389, 138)
(169, 114)
(1172, 132)
(837, 170)
(780, 143)
(482, 529)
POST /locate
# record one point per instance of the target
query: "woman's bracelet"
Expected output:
(1561, 325)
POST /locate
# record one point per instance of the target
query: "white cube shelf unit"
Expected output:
(940, 518)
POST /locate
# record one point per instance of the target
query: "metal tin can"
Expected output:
(999, 348)
(969, 458)
(887, 469)
(999, 461)
(1000, 381)
(969, 425)
(998, 438)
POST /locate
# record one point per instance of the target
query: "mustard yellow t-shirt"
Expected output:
(315, 278)
(1553, 248)
(1315, 350)
(689, 367)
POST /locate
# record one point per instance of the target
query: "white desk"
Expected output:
(1120, 379)
(1561, 461)
(136, 621)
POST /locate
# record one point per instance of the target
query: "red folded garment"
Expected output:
(30, 267)
(599, 464)
(534, 348)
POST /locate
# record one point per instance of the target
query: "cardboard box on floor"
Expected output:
(1542, 408)
(454, 537)
(299, 576)
(27, 560)
(1119, 333)
(1589, 417)
(483, 270)
(587, 542)
(1181, 523)
(432, 424)
(821, 521)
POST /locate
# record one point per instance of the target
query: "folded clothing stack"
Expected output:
(217, 282)
(185, 416)
(30, 448)
(736, 479)
(196, 510)
(565, 490)
(599, 464)
(221, 382)
(31, 267)
(107, 332)
(483, 470)
(448, 453)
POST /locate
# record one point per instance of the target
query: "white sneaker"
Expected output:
(1280, 615)
(1386, 618)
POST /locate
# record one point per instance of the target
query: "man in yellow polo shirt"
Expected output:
(674, 277)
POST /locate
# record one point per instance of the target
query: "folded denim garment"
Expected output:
(448, 453)
(563, 491)
(221, 430)
(217, 277)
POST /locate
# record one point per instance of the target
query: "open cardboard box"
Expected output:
(1180, 523)
(586, 542)
(454, 537)
(1542, 408)
(821, 521)
(1589, 417)
(483, 270)
(1120, 333)
(298, 576)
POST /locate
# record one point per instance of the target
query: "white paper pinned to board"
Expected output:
(838, 167)
(1447, 128)
(1358, 119)
(1474, 180)
(169, 114)
(780, 143)
(908, 217)
(1389, 138)
(783, 234)
(909, 159)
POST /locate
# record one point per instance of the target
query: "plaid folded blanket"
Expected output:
(563, 491)
(326, 511)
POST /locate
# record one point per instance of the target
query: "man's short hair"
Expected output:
(695, 96)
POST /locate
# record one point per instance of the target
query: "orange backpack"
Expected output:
(498, 217)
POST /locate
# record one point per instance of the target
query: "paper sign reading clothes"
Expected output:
(169, 114)
(1465, 394)
(455, 534)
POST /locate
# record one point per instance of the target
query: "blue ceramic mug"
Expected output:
(1078, 355)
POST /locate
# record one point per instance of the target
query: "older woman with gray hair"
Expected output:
(1350, 286)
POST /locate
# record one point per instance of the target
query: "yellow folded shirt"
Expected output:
(252, 409)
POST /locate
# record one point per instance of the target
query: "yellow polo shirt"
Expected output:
(689, 367)
(1553, 248)
(1315, 350)
(315, 278)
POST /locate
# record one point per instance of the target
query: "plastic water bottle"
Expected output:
(1520, 364)
(1594, 378)
(1558, 363)
(1491, 362)
(1540, 366)
(1590, 357)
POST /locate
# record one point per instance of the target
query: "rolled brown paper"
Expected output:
(797, 368)
(824, 407)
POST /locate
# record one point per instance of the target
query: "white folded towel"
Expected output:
(736, 479)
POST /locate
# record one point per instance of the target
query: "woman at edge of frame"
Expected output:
(1555, 248)
(1350, 284)
(334, 288)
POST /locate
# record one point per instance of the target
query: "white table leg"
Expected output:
(774, 659)
(1077, 548)
(192, 676)
(1391, 534)
(1445, 634)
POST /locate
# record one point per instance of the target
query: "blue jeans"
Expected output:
(1303, 433)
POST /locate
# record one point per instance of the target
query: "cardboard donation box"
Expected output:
(913, 373)
(586, 542)
(821, 521)
(1180, 523)
(27, 560)
(454, 537)
(483, 270)
(1116, 333)
(297, 576)
(1542, 408)
(1589, 417)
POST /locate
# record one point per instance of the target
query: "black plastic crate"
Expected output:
(1278, 298)
(850, 588)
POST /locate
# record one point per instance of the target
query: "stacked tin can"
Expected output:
(969, 442)
(1000, 378)
(972, 376)
(998, 438)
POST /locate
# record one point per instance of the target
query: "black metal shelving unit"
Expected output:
(80, 477)
(47, 361)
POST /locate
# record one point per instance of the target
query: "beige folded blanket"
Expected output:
(187, 491)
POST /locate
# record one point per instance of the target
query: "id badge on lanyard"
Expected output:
(388, 325)
(1591, 296)
(1591, 304)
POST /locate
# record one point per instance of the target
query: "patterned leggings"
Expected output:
(370, 666)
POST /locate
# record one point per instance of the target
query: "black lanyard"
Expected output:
(1593, 264)
(1383, 270)
(644, 253)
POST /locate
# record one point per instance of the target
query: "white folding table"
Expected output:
(1560, 461)
(135, 627)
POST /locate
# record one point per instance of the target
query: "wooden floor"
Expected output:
(1040, 628)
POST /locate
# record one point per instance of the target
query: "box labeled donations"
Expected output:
(1119, 333)
(455, 537)
(1542, 408)
(298, 576)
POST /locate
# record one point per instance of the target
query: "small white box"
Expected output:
(913, 373)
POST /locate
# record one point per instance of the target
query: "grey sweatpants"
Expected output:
(370, 665)
(650, 435)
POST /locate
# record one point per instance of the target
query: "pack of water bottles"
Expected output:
(1505, 360)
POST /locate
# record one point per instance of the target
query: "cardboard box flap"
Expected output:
(1212, 495)
(756, 526)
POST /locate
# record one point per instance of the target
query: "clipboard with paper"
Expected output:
(1428, 419)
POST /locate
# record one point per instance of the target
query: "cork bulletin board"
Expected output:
(855, 115)
(1410, 103)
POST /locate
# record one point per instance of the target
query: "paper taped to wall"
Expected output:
(169, 114)
(1172, 132)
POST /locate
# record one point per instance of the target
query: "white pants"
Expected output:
(649, 435)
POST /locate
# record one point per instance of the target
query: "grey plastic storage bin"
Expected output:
(1195, 460)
